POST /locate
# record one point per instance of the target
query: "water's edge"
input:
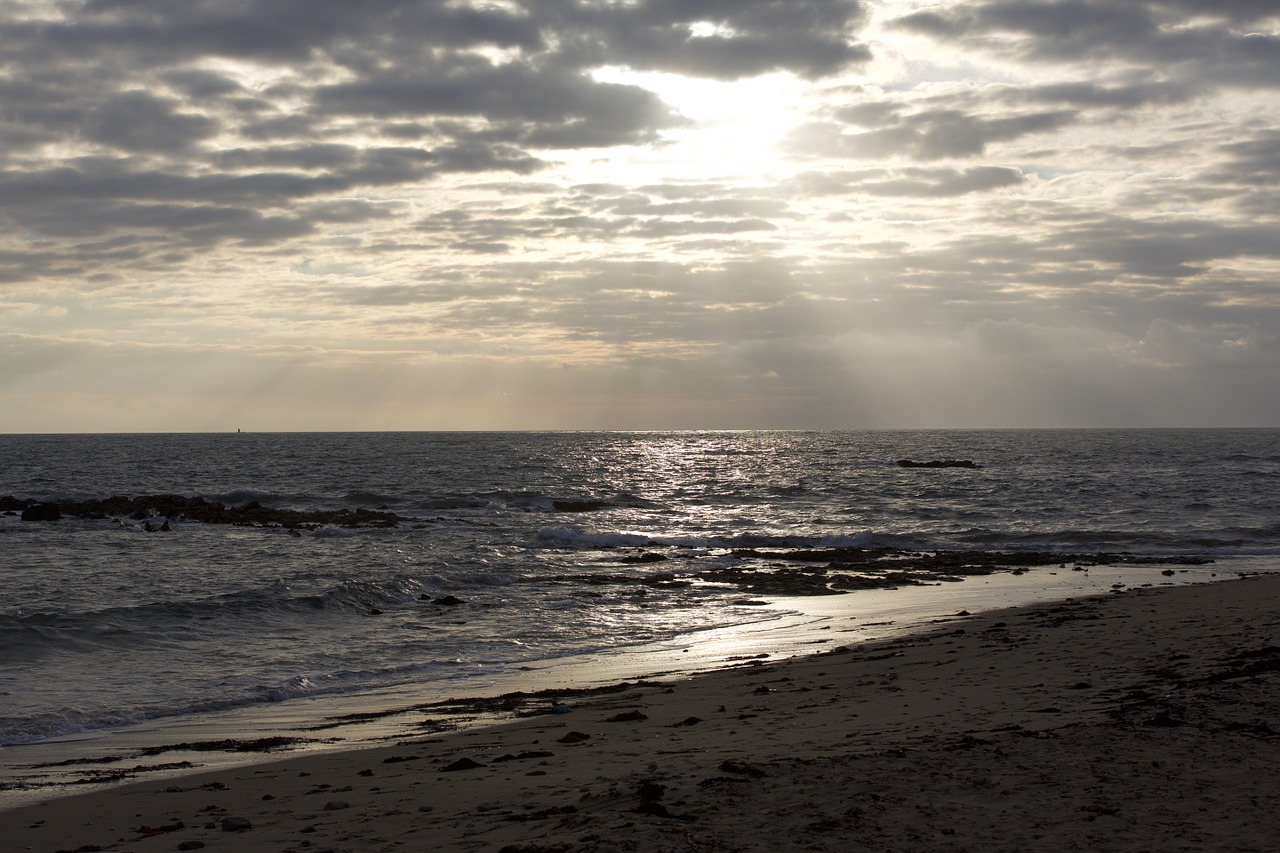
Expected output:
(66, 766)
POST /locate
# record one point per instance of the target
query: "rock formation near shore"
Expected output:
(939, 463)
(198, 509)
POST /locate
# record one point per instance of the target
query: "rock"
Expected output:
(197, 509)
(336, 805)
(579, 506)
(1163, 720)
(628, 716)
(939, 463)
(191, 845)
(742, 769)
(236, 824)
(646, 557)
(42, 512)
(574, 737)
(448, 601)
(650, 792)
(150, 831)
(461, 764)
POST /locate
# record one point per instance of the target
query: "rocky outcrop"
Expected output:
(178, 507)
(939, 463)
(42, 512)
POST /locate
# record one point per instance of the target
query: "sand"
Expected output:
(1137, 721)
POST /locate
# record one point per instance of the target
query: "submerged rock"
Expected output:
(198, 509)
(42, 512)
(939, 463)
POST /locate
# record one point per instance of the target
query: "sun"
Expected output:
(733, 127)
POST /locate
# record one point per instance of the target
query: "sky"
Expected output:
(638, 214)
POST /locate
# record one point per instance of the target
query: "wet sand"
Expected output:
(1140, 720)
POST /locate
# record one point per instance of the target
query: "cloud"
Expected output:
(914, 182)
(1186, 40)
(931, 134)
(407, 213)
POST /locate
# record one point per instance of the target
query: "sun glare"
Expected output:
(734, 126)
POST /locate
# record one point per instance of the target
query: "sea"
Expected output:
(415, 567)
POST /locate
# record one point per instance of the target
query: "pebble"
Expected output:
(236, 824)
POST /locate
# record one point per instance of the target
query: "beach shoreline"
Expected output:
(786, 627)
(1126, 721)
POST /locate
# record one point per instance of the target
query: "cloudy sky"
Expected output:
(528, 214)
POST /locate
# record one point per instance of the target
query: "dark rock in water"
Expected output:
(165, 528)
(198, 509)
(939, 463)
(42, 512)
(448, 601)
(236, 824)
(461, 764)
(579, 506)
(646, 557)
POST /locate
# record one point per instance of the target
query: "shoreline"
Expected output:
(1125, 721)
(71, 764)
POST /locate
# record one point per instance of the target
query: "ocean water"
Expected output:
(555, 544)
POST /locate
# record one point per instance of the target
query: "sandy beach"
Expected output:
(1141, 720)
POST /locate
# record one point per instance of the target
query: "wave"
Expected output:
(163, 622)
(27, 728)
(1222, 542)
(473, 661)
(370, 499)
(574, 537)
